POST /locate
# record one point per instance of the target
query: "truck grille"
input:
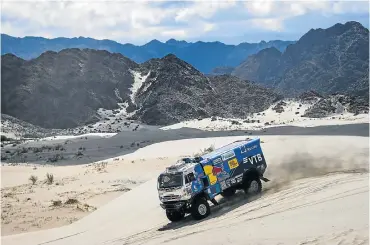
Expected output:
(173, 205)
(171, 197)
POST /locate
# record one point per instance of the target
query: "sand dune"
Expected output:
(318, 195)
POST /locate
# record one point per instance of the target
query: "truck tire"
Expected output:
(228, 192)
(253, 186)
(174, 215)
(200, 209)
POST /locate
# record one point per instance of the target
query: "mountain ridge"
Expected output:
(76, 86)
(332, 60)
(66, 89)
(203, 55)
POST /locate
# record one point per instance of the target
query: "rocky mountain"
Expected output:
(59, 90)
(333, 60)
(204, 56)
(222, 70)
(70, 88)
(327, 105)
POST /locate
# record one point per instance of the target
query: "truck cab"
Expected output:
(188, 185)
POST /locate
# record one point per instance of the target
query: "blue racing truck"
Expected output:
(188, 185)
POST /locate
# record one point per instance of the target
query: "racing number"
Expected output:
(233, 163)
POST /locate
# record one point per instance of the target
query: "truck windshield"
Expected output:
(170, 180)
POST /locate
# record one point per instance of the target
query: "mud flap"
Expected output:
(214, 202)
(264, 179)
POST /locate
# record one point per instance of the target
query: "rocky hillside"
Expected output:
(174, 91)
(59, 90)
(13, 128)
(204, 56)
(222, 70)
(333, 60)
(70, 88)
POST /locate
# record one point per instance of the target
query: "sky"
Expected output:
(139, 21)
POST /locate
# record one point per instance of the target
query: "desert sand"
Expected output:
(318, 194)
(75, 191)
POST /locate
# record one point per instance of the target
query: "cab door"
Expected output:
(213, 188)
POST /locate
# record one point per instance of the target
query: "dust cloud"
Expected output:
(304, 165)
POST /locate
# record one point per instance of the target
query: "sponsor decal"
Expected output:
(244, 149)
(215, 173)
(217, 160)
(228, 155)
(233, 163)
(216, 170)
(232, 181)
(223, 185)
(208, 170)
(253, 159)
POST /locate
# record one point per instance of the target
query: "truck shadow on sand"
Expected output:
(225, 205)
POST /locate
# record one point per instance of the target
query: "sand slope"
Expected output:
(315, 197)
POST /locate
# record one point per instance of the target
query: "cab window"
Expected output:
(189, 178)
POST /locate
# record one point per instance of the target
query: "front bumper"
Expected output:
(174, 205)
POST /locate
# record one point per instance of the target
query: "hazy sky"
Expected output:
(141, 21)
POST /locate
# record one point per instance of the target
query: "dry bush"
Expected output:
(86, 208)
(33, 179)
(55, 158)
(56, 203)
(49, 179)
(79, 154)
(100, 166)
(71, 201)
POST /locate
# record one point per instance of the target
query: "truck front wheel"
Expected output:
(200, 209)
(174, 215)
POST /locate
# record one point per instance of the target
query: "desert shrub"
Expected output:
(101, 166)
(71, 201)
(24, 150)
(49, 179)
(33, 179)
(55, 158)
(36, 150)
(57, 203)
(79, 153)
(59, 147)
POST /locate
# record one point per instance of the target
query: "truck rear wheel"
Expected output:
(200, 209)
(228, 192)
(174, 215)
(253, 186)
